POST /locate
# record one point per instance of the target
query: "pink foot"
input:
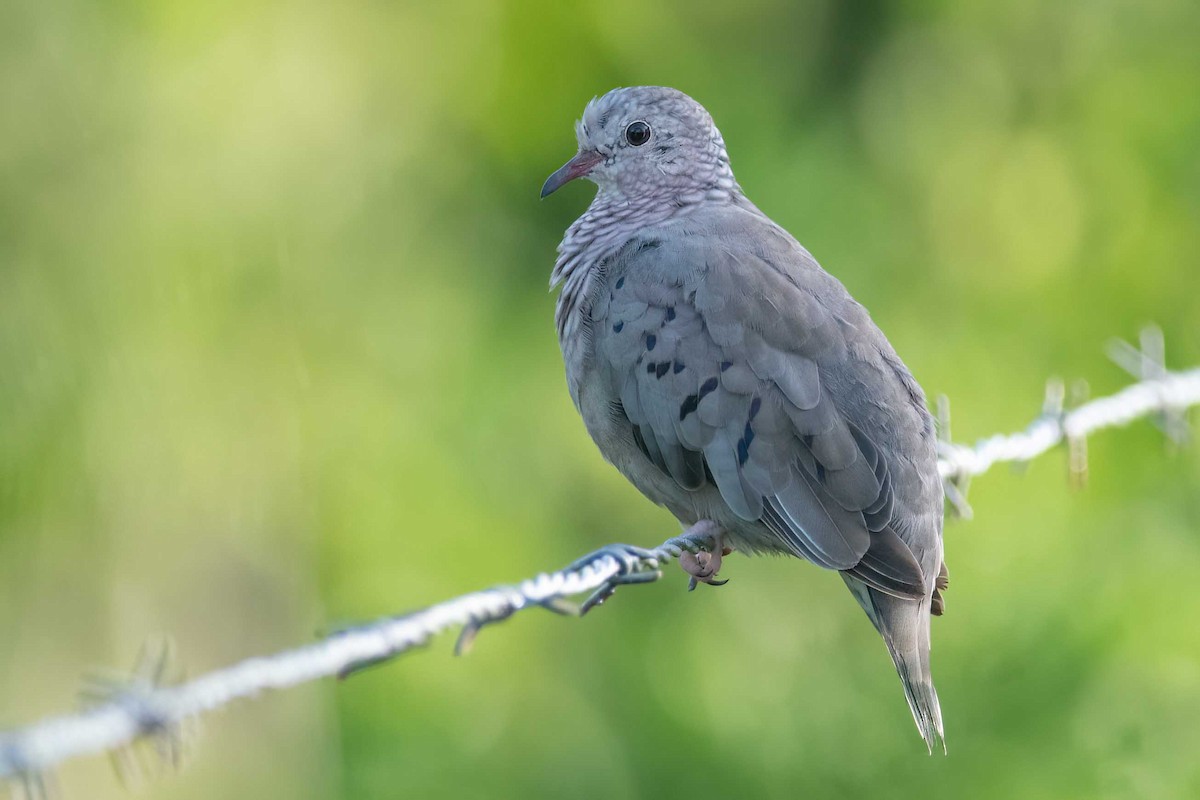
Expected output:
(704, 566)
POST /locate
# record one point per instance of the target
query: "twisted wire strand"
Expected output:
(139, 709)
(142, 707)
(1174, 391)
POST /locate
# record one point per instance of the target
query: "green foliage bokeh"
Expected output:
(276, 353)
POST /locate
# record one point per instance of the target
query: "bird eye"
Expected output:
(637, 133)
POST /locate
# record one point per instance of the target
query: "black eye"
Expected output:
(637, 133)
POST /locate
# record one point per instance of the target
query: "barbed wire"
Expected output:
(140, 707)
(1159, 392)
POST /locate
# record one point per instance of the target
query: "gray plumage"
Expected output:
(730, 378)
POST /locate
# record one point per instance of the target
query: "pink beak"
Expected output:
(577, 167)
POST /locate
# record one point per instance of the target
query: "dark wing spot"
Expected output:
(689, 405)
(678, 367)
(708, 386)
(662, 369)
(618, 327)
(670, 314)
(651, 341)
(755, 406)
(726, 365)
(743, 447)
(620, 281)
(650, 367)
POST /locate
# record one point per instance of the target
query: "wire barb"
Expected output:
(957, 484)
(125, 709)
(1158, 392)
(1147, 362)
(129, 710)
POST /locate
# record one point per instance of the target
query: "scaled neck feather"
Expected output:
(609, 222)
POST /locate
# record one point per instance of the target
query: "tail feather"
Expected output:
(920, 693)
(904, 626)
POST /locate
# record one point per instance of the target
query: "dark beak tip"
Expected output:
(557, 180)
(577, 167)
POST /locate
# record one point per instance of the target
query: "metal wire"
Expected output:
(1158, 392)
(141, 707)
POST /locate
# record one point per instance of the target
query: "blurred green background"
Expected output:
(276, 353)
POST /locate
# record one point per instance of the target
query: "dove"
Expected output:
(733, 381)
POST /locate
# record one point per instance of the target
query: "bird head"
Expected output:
(646, 141)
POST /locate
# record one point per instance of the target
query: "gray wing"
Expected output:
(728, 364)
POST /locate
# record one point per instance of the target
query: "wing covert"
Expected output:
(720, 360)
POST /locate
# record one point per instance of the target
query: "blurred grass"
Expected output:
(277, 353)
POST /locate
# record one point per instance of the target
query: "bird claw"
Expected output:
(693, 582)
(704, 566)
(634, 565)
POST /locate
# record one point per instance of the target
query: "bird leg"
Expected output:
(704, 566)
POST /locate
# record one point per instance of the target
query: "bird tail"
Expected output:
(904, 625)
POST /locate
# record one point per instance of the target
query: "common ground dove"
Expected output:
(731, 379)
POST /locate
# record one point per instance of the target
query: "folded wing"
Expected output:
(722, 361)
